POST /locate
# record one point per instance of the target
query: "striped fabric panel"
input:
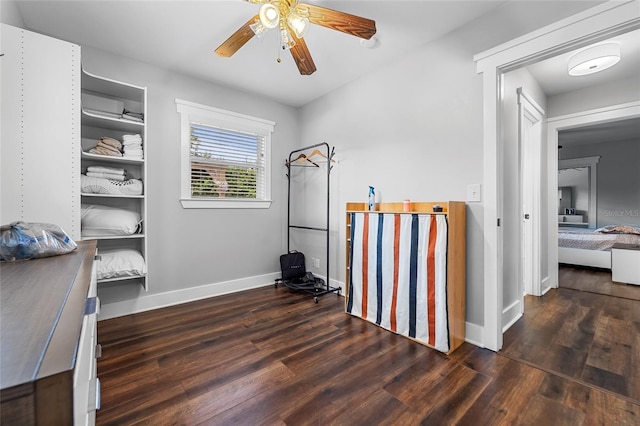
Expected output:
(398, 274)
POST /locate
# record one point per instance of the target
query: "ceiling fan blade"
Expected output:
(301, 55)
(339, 21)
(237, 39)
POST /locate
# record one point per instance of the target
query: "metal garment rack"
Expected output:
(314, 157)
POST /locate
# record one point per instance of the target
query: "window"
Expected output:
(225, 158)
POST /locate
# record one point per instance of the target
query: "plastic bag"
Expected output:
(22, 240)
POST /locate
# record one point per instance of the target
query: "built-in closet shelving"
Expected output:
(112, 97)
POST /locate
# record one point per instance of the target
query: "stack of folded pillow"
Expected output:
(132, 145)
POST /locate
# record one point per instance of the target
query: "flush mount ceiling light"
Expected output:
(594, 59)
(292, 20)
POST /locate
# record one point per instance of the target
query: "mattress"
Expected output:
(589, 239)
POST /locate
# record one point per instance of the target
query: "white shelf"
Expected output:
(115, 237)
(84, 194)
(127, 278)
(95, 83)
(105, 122)
(110, 159)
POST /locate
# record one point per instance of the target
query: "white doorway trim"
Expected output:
(530, 116)
(572, 121)
(598, 23)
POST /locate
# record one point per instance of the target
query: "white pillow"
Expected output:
(115, 263)
(99, 221)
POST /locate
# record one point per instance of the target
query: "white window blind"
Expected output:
(226, 163)
(225, 158)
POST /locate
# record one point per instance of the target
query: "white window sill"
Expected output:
(190, 203)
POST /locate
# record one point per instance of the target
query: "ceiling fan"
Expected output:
(292, 20)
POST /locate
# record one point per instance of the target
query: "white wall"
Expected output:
(618, 179)
(9, 14)
(611, 93)
(194, 247)
(413, 130)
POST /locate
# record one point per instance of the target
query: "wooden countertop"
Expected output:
(42, 303)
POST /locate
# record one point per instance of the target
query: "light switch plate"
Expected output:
(473, 193)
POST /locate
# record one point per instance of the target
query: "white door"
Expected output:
(530, 140)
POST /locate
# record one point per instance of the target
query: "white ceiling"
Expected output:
(182, 36)
(553, 78)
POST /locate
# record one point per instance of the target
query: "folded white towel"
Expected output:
(132, 143)
(131, 137)
(110, 176)
(133, 151)
(111, 170)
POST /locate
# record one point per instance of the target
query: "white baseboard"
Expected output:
(511, 314)
(545, 285)
(177, 297)
(474, 334)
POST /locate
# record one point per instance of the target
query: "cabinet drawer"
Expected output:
(84, 382)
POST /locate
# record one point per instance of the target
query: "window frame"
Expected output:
(191, 112)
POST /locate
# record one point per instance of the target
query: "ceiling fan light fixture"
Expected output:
(269, 16)
(594, 59)
(298, 24)
(372, 43)
(286, 42)
(257, 28)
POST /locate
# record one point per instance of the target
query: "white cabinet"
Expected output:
(625, 263)
(86, 385)
(106, 105)
(572, 220)
(40, 136)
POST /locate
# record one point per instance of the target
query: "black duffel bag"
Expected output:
(292, 265)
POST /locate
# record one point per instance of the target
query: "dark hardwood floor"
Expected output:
(595, 281)
(272, 357)
(588, 337)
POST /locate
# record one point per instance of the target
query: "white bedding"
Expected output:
(589, 239)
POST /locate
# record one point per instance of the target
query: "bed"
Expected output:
(592, 247)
